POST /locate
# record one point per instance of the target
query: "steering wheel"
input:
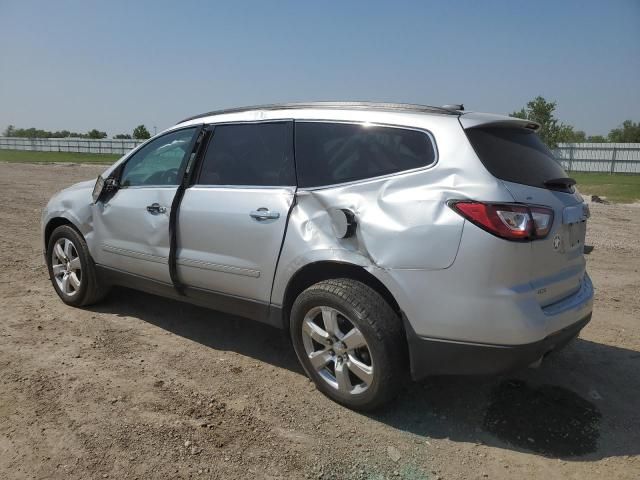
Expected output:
(169, 177)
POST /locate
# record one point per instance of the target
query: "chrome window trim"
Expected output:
(287, 188)
(348, 122)
(428, 133)
(261, 120)
(156, 187)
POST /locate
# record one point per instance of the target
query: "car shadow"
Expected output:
(581, 403)
(213, 329)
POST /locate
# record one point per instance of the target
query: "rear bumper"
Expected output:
(430, 356)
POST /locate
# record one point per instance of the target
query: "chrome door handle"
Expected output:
(156, 208)
(264, 214)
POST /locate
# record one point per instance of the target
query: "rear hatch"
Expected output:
(512, 152)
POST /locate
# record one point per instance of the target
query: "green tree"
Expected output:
(551, 131)
(96, 134)
(34, 133)
(141, 133)
(628, 132)
(61, 134)
(122, 136)
(597, 139)
(9, 131)
(566, 134)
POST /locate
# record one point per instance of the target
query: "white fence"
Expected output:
(574, 157)
(83, 145)
(599, 157)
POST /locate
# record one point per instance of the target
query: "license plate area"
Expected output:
(574, 236)
(574, 227)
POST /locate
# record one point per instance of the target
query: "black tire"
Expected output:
(90, 291)
(380, 326)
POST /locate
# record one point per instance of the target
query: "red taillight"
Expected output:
(542, 220)
(511, 221)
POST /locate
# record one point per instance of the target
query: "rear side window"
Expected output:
(515, 155)
(254, 154)
(331, 153)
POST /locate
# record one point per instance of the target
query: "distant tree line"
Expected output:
(554, 132)
(537, 110)
(139, 133)
(12, 131)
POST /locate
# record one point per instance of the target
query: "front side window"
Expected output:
(159, 162)
(254, 154)
(332, 153)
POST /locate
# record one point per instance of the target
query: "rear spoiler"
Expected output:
(476, 119)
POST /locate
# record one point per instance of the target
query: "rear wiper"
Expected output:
(565, 183)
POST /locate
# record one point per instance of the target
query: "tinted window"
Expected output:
(159, 161)
(250, 154)
(515, 155)
(330, 153)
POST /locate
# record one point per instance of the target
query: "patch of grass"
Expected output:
(26, 156)
(617, 188)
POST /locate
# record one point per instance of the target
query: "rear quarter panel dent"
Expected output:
(403, 223)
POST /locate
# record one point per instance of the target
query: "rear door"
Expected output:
(233, 219)
(527, 167)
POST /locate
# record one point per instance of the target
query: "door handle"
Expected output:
(156, 208)
(264, 214)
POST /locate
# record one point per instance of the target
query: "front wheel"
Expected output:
(350, 342)
(71, 268)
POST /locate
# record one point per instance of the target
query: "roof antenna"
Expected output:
(454, 106)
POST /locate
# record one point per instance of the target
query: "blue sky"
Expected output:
(114, 64)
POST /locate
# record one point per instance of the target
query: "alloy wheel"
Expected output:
(66, 267)
(337, 350)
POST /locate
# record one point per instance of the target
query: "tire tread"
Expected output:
(383, 322)
(94, 291)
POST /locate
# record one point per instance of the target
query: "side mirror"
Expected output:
(103, 186)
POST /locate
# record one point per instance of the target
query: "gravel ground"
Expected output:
(143, 387)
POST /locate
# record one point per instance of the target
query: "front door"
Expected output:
(232, 219)
(132, 225)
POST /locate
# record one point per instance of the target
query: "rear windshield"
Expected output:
(515, 155)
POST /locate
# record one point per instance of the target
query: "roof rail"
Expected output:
(454, 106)
(403, 107)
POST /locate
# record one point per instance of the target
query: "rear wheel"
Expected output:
(350, 342)
(71, 268)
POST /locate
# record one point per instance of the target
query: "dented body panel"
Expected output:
(451, 280)
(74, 205)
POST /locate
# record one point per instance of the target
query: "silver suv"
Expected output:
(388, 239)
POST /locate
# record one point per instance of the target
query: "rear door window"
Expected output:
(251, 154)
(515, 155)
(331, 153)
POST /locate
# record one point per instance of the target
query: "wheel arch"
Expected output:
(326, 269)
(54, 223)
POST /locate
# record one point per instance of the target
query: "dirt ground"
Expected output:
(143, 387)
